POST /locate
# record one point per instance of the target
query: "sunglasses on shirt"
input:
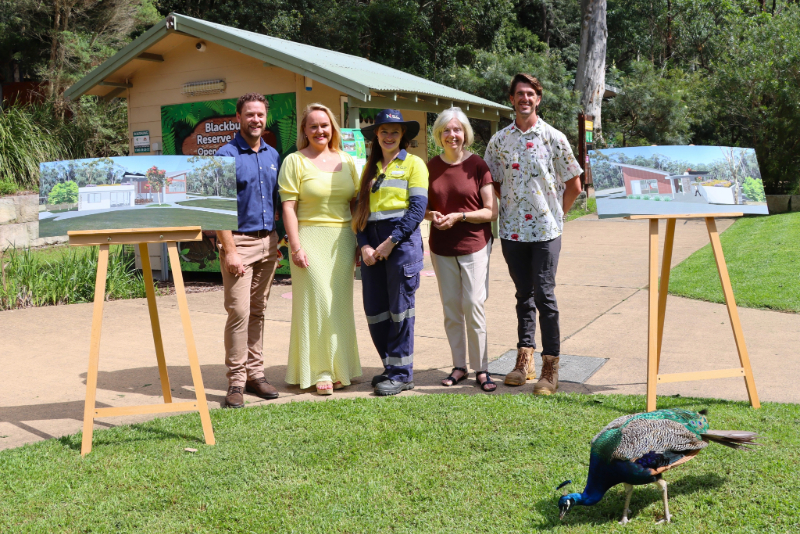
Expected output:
(378, 182)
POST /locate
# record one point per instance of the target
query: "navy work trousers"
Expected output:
(388, 289)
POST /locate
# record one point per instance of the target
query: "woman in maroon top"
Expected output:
(462, 206)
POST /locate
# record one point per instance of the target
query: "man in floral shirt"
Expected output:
(537, 179)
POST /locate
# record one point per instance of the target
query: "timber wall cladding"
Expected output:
(159, 84)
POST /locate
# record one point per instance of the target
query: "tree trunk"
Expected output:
(590, 77)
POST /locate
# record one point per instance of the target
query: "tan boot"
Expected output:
(524, 370)
(548, 383)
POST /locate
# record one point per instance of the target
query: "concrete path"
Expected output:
(602, 296)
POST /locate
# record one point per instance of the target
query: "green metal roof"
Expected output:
(354, 76)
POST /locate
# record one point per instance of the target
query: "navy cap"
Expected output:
(393, 116)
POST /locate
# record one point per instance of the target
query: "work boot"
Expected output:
(234, 398)
(261, 388)
(524, 370)
(548, 383)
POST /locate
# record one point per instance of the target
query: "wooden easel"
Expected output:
(657, 306)
(142, 236)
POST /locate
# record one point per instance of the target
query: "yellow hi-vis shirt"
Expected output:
(406, 176)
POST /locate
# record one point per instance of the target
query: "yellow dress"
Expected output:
(323, 335)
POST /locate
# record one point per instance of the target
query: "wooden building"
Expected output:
(180, 78)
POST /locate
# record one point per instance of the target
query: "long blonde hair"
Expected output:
(336, 138)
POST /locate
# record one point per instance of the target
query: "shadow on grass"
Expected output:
(135, 433)
(609, 510)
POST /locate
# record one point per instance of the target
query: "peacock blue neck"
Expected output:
(602, 476)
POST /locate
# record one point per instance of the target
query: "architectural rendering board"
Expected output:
(137, 192)
(663, 180)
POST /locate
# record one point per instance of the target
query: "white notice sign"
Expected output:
(141, 141)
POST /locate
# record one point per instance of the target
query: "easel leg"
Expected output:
(94, 350)
(147, 273)
(652, 318)
(733, 313)
(194, 364)
(666, 263)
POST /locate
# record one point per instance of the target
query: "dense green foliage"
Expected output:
(429, 463)
(33, 134)
(763, 262)
(715, 72)
(32, 278)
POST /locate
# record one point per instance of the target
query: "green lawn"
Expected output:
(432, 463)
(763, 257)
(139, 219)
(214, 203)
(591, 207)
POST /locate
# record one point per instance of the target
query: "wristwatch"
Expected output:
(393, 240)
(463, 216)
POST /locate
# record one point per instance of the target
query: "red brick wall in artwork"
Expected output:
(629, 174)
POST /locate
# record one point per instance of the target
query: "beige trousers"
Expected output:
(245, 301)
(464, 287)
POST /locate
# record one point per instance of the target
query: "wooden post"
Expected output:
(657, 306)
(194, 364)
(140, 237)
(155, 324)
(666, 262)
(94, 350)
(652, 318)
(733, 313)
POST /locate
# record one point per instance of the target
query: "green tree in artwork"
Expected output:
(754, 190)
(63, 193)
(214, 176)
(157, 181)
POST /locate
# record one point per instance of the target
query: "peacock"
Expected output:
(636, 449)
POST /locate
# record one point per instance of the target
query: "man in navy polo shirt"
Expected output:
(249, 256)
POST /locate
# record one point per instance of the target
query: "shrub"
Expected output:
(26, 279)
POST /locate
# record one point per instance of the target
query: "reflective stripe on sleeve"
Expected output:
(418, 192)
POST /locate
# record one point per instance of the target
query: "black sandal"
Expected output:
(453, 380)
(487, 385)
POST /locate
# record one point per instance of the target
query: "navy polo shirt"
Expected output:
(256, 183)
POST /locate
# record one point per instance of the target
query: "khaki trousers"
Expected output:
(464, 287)
(245, 301)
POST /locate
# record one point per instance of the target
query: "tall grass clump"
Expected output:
(31, 134)
(24, 144)
(28, 280)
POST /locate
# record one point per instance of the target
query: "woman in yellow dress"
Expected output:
(318, 185)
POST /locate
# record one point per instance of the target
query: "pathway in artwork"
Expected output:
(73, 214)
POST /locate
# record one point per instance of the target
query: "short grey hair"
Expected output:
(445, 117)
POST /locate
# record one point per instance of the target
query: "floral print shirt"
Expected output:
(532, 167)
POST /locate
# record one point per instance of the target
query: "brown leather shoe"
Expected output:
(548, 384)
(524, 370)
(261, 388)
(234, 398)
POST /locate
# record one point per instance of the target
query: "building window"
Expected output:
(122, 198)
(648, 187)
(177, 187)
